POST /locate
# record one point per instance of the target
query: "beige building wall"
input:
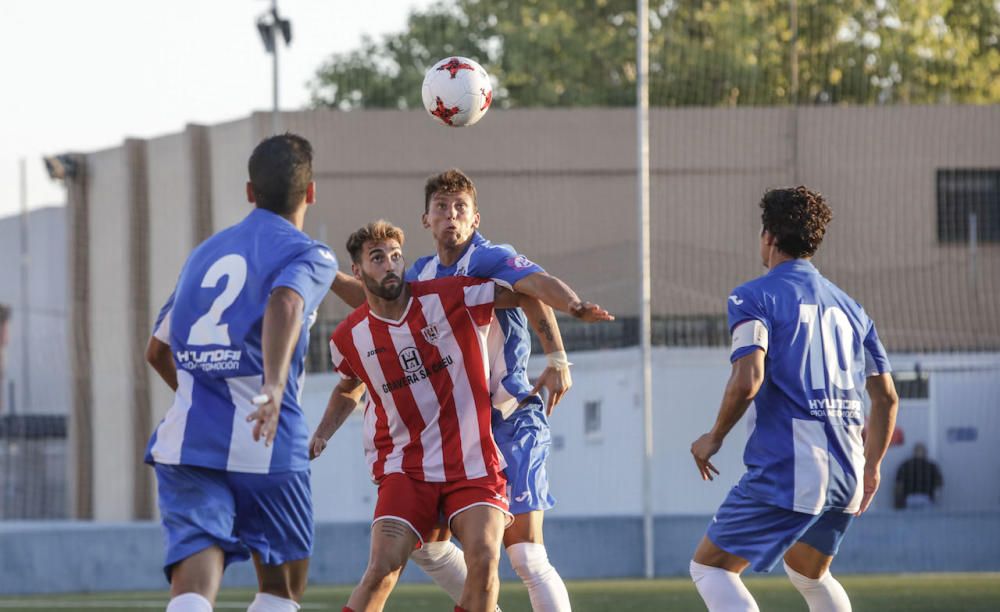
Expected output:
(111, 344)
(560, 185)
(229, 146)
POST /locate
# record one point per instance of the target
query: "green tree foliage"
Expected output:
(702, 52)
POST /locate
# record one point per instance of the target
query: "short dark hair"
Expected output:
(280, 170)
(797, 218)
(378, 231)
(449, 181)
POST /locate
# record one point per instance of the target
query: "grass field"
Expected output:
(876, 593)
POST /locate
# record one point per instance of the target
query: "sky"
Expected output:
(82, 76)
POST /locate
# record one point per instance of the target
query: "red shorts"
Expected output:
(422, 504)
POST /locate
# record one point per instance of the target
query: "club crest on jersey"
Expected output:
(430, 334)
(410, 360)
(519, 263)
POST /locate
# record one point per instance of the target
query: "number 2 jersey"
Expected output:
(213, 323)
(804, 451)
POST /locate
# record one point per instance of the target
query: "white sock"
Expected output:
(265, 602)
(445, 564)
(189, 602)
(546, 589)
(722, 590)
(823, 594)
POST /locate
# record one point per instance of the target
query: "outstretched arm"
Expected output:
(744, 382)
(555, 377)
(159, 356)
(343, 400)
(282, 326)
(881, 422)
(558, 295)
(348, 289)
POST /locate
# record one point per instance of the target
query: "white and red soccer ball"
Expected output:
(457, 91)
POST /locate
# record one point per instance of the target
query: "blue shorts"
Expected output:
(761, 533)
(269, 514)
(524, 440)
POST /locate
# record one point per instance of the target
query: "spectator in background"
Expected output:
(917, 480)
(4, 317)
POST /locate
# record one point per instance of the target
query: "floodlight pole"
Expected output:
(25, 297)
(645, 319)
(273, 29)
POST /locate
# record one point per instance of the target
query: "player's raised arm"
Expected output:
(348, 289)
(744, 382)
(560, 296)
(881, 422)
(280, 333)
(343, 400)
(555, 378)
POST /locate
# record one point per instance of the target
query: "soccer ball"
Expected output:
(457, 91)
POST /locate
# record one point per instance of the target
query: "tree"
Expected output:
(702, 52)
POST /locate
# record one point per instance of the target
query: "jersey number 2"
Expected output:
(822, 348)
(209, 329)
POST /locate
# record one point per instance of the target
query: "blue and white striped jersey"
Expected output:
(509, 343)
(804, 450)
(213, 323)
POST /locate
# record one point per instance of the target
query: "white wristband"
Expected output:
(558, 360)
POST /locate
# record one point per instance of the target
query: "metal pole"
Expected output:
(25, 304)
(276, 33)
(793, 85)
(973, 253)
(645, 331)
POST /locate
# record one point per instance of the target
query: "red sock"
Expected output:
(460, 609)
(346, 609)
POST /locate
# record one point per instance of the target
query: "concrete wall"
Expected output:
(112, 343)
(560, 185)
(43, 386)
(123, 557)
(599, 473)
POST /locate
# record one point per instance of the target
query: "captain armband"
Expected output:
(750, 333)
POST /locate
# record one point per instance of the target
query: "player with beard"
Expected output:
(420, 350)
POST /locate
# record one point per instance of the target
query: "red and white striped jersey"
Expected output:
(428, 412)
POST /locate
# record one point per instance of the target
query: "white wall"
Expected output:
(601, 474)
(48, 373)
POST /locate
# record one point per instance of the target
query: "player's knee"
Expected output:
(481, 562)
(530, 561)
(801, 581)
(382, 574)
(266, 602)
(822, 594)
(432, 554)
(189, 602)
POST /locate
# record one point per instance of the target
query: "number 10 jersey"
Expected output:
(804, 451)
(213, 323)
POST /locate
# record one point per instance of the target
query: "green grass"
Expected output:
(875, 593)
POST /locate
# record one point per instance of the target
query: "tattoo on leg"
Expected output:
(393, 529)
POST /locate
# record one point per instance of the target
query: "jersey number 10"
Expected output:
(822, 348)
